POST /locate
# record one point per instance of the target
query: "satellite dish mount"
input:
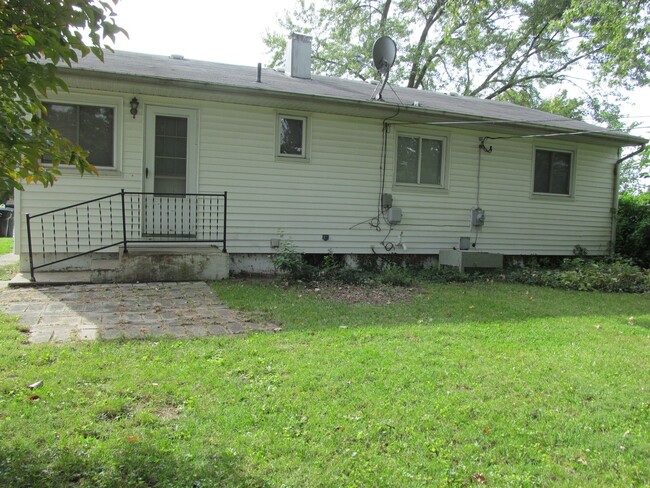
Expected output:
(384, 52)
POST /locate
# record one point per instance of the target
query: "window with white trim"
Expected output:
(292, 136)
(553, 171)
(420, 160)
(92, 127)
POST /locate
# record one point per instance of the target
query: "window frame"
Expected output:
(87, 100)
(572, 170)
(444, 160)
(300, 158)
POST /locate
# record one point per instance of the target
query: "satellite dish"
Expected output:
(384, 52)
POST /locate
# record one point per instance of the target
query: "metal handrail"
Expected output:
(141, 217)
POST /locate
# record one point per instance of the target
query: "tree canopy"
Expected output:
(36, 35)
(478, 48)
(513, 50)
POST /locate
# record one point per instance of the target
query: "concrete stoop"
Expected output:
(139, 264)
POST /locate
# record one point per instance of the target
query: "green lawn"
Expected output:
(507, 384)
(8, 271)
(6, 245)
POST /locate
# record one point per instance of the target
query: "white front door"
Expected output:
(170, 172)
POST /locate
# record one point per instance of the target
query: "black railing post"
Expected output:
(225, 218)
(29, 245)
(123, 221)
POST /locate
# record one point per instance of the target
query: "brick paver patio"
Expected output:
(86, 312)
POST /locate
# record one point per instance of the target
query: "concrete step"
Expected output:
(51, 278)
(104, 264)
(142, 263)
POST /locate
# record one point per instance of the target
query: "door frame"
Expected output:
(191, 170)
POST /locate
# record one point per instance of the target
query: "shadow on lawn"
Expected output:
(136, 464)
(640, 322)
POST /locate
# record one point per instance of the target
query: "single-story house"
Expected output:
(323, 162)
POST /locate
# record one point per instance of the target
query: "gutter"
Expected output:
(614, 209)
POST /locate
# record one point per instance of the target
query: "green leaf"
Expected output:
(38, 35)
(28, 40)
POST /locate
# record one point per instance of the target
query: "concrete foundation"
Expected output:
(145, 264)
(251, 264)
(466, 260)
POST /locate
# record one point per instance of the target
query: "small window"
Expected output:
(292, 136)
(92, 127)
(419, 160)
(553, 172)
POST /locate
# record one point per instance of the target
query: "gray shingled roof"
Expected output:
(460, 108)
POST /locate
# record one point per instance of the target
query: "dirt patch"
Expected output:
(167, 413)
(368, 295)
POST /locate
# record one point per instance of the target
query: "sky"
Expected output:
(231, 31)
(225, 31)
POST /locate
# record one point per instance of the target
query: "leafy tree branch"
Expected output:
(37, 35)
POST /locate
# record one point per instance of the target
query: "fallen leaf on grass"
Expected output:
(631, 321)
(33, 398)
(132, 438)
(479, 478)
(581, 461)
(277, 329)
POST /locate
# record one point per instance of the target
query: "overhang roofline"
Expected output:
(259, 95)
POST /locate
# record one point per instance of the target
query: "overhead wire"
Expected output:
(518, 121)
(375, 222)
(524, 121)
(382, 166)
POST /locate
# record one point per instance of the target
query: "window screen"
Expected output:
(552, 172)
(91, 127)
(419, 160)
(292, 136)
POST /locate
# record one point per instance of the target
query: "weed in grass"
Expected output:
(7, 272)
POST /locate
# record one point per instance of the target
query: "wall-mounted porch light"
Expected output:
(134, 106)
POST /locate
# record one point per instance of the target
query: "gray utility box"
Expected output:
(469, 259)
(394, 215)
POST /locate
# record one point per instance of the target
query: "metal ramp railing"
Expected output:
(124, 218)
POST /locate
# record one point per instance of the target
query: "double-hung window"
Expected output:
(91, 127)
(292, 136)
(420, 160)
(553, 170)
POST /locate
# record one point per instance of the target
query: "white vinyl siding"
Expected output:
(337, 193)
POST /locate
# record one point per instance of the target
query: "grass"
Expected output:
(470, 383)
(6, 245)
(8, 271)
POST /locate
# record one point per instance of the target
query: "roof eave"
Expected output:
(259, 95)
